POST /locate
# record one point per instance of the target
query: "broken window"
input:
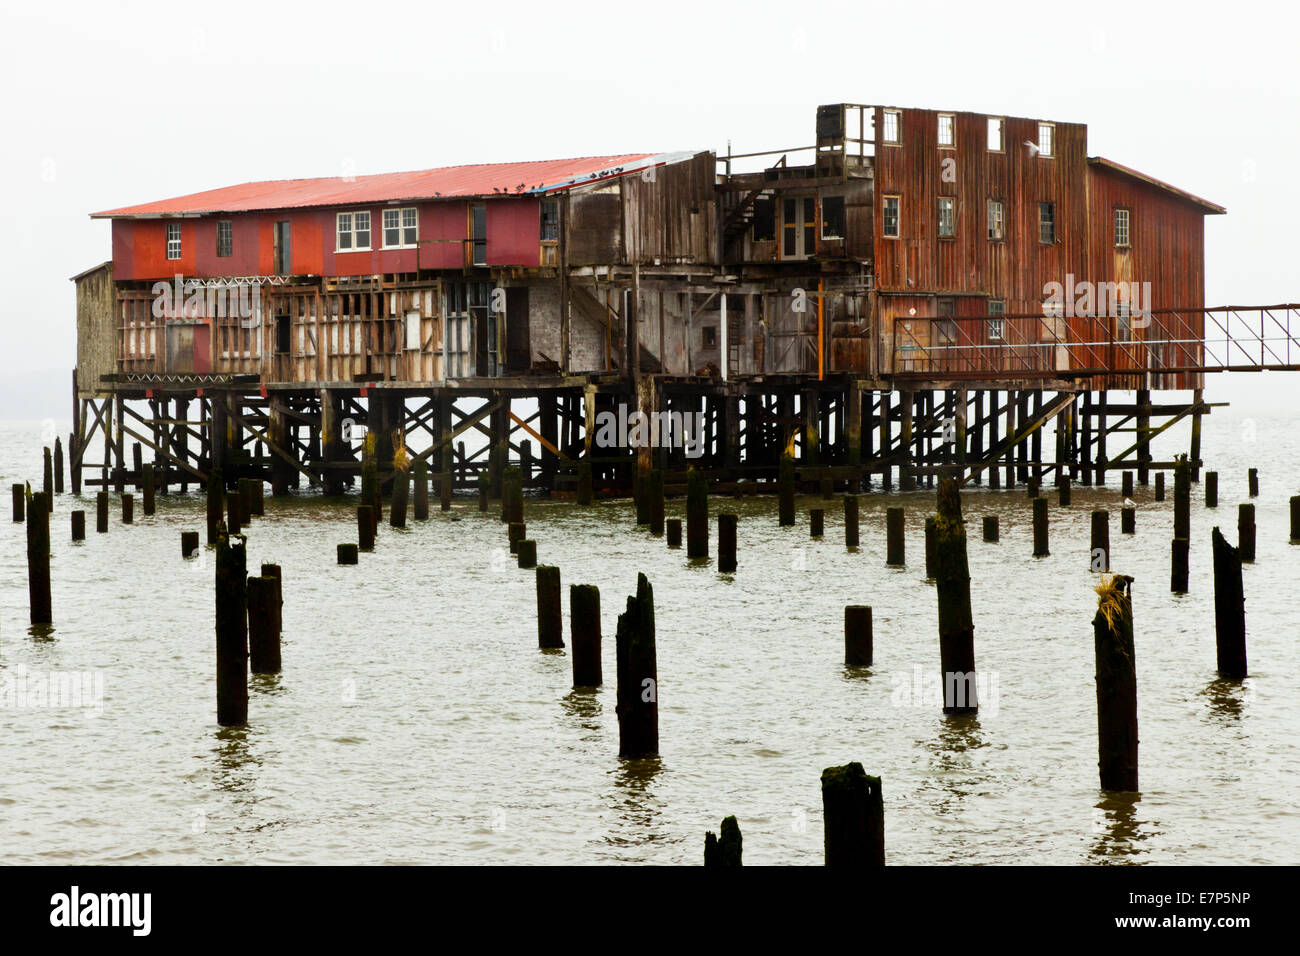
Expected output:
(890, 211)
(1047, 222)
(764, 225)
(225, 238)
(710, 336)
(997, 220)
(173, 240)
(833, 217)
(947, 217)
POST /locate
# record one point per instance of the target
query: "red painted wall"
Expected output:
(514, 232)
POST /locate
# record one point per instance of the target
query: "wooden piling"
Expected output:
(259, 497)
(1040, 528)
(216, 503)
(189, 544)
(1099, 559)
(816, 522)
(149, 489)
(245, 492)
(232, 629)
(512, 494)
(401, 496)
(47, 477)
(1295, 517)
(484, 486)
(101, 512)
(1031, 487)
(895, 549)
(516, 531)
(1063, 489)
(263, 629)
(38, 559)
(584, 634)
(654, 482)
(1229, 609)
(1180, 556)
(697, 515)
(234, 512)
(726, 543)
(1252, 478)
(641, 498)
(370, 477)
(929, 548)
(851, 507)
(550, 617)
(1182, 498)
(347, 553)
(785, 491)
(1116, 677)
(991, 528)
(420, 476)
(1211, 489)
(585, 494)
(727, 849)
(1160, 486)
(854, 817)
(128, 509)
(1246, 532)
(1128, 519)
(78, 526)
(58, 466)
(20, 502)
(857, 636)
(673, 528)
(952, 588)
(638, 676)
(526, 551)
(1127, 485)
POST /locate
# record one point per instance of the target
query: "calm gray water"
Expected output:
(416, 721)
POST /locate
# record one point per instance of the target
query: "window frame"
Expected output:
(1050, 129)
(997, 331)
(173, 228)
(1001, 219)
(952, 131)
(898, 215)
(226, 242)
(353, 230)
(1128, 227)
(543, 221)
(898, 127)
(1001, 122)
(401, 227)
(1049, 206)
(952, 219)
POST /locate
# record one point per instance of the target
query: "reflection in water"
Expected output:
(583, 704)
(268, 684)
(1120, 833)
(42, 632)
(235, 767)
(1228, 697)
(954, 771)
(637, 814)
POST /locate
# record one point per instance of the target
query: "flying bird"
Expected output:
(1033, 148)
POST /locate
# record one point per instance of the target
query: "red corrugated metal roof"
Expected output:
(481, 180)
(1213, 209)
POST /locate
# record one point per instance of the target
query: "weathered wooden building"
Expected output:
(899, 294)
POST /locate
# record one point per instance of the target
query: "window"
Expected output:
(1121, 228)
(550, 220)
(764, 225)
(996, 329)
(1047, 222)
(995, 135)
(833, 217)
(401, 228)
(478, 233)
(173, 240)
(893, 126)
(798, 227)
(354, 231)
(947, 130)
(225, 238)
(947, 217)
(1046, 139)
(709, 336)
(997, 220)
(891, 216)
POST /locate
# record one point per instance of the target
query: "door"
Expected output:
(798, 227)
(518, 353)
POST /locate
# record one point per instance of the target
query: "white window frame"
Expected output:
(997, 127)
(952, 130)
(173, 240)
(353, 228)
(1122, 212)
(898, 216)
(1046, 140)
(897, 117)
(1000, 219)
(949, 203)
(405, 241)
(997, 327)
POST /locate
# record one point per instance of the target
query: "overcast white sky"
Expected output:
(107, 104)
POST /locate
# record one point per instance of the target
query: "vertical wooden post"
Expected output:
(263, 632)
(1160, 486)
(1182, 498)
(550, 618)
(234, 511)
(128, 509)
(189, 543)
(1246, 532)
(1252, 479)
(929, 547)
(952, 587)
(58, 466)
(697, 515)
(585, 494)
(401, 495)
(516, 531)
(816, 522)
(1295, 517)
(990, 527)
(1229, 609)
(78, 526)
(1063, 488)
(365, 528)
(726, 543)
(857, 636)
(149, 489)
(1127, 485)
(1100, 547)
(216, 503)
(1117, 731)
(20, 501)
(638, 676)
(673, 528)
(526, 553)
(1128, 519)
(584, 623)
(1040, 528)
(654, 489)
(38, 559)
(1211, 489)
(851, 506)
(895, 549)
(785, 491)
(347, 553)
(232, 630)
(101, 512)
(1178, 565)
(728, 850)
(853, 812)
(47, 478)
(421, 478)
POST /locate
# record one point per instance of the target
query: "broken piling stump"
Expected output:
(584, 631)
(697, 515)
(854, 818)
(952, 589)
(365, 528)
(20, 501)
(1229, 609)
(47, 477)
(128, 509)
(673, 529)
(232, 629)
(1116, 678)
(263, 633)
(1246, 532)
(726, 543)
(512, 494)
(638, 676)
(273, 571)
(816, 522)
(1040, 528)
(1160, 486)
(895, 550)
(857, 636)
(38, 559)
(1211, 489)
(526, 553)
(725, 850)
(189, 543)
(1252, 479)
(1128, 520)
(929, 548)
(1127, 485)
(401, 496)
(78, 526)
(347, 553)
(1182, 498)
(101, 512)
(149, 490)
(1099, 559)
(655, 490)
(516, 532)
(1179, 560)
(550, 617)
(58, 466)
(991, 528)
(1063, 489)
(851, 506)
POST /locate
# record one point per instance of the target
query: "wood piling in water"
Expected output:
(638, 676)
(512, 494)
(816, 522)
(550, 617)
(584, 634)
(526, 551)
(263, 634)
(585, 494)
(1179, 561)
(216, 503)
(727, 849)
(20, 501)
(1211, 489)
(991, 528)
(58, 466)
(1246, 532)
(128, 509)
(858, 641)
(38, 559)
(101, 513)
(895, 548)
(1128, 519)
(516, 531)
(655, 489)
(952, 589)
(697, 515)
(47, 478)
(245, 492)
(365, 528)
(189, 543)
(347, 553)
(1182, 498)
(78, 526)
(851, 508)
(1252, 479)
(1229, 609)
(929, 548)
(673, 531)
(232, 629)
(1127, 485)
(273, 571)
(234, 512)
(726, 543)
(1160, 486)
(785, 491)
(1116, 677)
(401, 496)
(149, 491)
(484, 486)
(1295, 517)
(1032, 487)
(1063, 489)
(854, 817)
(1099, 559)
(1040, 528)
(420, 477)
